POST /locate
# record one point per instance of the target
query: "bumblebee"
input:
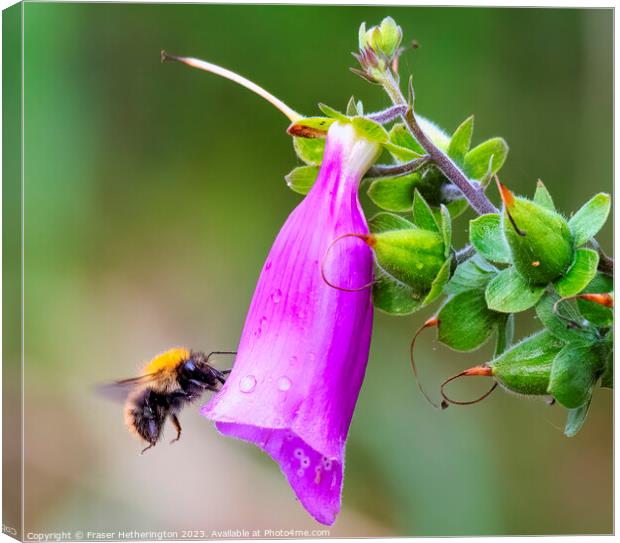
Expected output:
(168, 382)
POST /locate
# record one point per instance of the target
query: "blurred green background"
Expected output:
(153, 193)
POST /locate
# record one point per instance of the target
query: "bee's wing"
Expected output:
(119, 390)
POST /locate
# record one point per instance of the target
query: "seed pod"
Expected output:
(540, 240)
(413, 256)
(525, 368)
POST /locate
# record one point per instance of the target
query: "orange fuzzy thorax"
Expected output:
(167, 361)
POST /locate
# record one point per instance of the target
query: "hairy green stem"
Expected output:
(475, 195)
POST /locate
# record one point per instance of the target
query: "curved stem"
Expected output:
(292, 115)
(394, 170)
(475, 195)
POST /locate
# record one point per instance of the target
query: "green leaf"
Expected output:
(505, 334)
(474, 273)
(465, 322)
(434, 133)
(446, 229)
(310, 127)
(442, 277)
(576, 418)
(485, 234)
(476, 161)
(392, 296)
(574, 371)
(461, 140)
(333, 113)
(386, 222)
(310, 150)
(370, 130)
(400, 135)
(394, 193)
(456, 207)
(302, 178)
(422, 214)
(593, 312)
(542, 196)
(580, 273)
(508, 292)
(586, 223)
(558, 323)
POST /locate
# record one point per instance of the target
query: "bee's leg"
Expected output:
(213, 353)
(146, 448)
(177, 425)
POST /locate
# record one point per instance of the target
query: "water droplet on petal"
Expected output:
(284, 383)
(299, 453)
(276, 296)
(300, 472)
(305, 462)
(247, 383)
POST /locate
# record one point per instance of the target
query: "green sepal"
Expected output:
(392, 296)
(311, 127)
(438, 284)
(457, 207)
(509, 292)
(576, 418)
(586, 223)
(580, 273)
(574, 372)
(370, 130)
(310, 150)
(402, 154)
(446, 229)
(476, 162)
(505, 334)
(465, 322)
(474, 273)
(414, 256)
(525, 367)
(593, 312)
(352, 107)
(393, 193)
(437, 135)
(607, 379)
(485, 234)
(384, 222)
(461, 140)
(302, 178)
(333, 113)
(542, 249)
(400, 136)
(422, 214)
(558, 323)
(542, 196)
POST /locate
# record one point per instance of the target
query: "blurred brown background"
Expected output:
(153, 193)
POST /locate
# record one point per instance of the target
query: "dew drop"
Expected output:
(299, 453)
(284, 383)
(276, 296)
(300, 472)
(247, 384)
(305, 462)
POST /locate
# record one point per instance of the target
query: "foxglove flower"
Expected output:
(304, 348)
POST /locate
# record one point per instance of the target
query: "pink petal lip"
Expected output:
(304, 347)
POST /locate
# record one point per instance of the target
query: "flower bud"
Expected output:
(540, 240)
(413, 256)
(384, 39)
